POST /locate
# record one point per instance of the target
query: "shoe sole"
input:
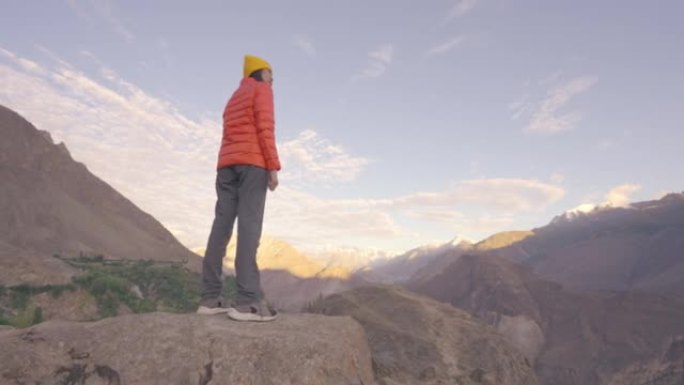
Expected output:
(211, 311)
(249, 317)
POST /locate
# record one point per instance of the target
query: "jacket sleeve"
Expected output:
(265, 125)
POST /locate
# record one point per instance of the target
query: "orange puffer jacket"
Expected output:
(248, 127)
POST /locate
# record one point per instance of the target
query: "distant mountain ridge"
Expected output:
(420, 260)
(639, 247)
(53, 204)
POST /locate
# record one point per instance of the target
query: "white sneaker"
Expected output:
(211, 307)
(256, 312)
(211, 310)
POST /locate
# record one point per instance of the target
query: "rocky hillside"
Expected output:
(668, 369)
(571, 337)
(160, 348)
(50, 203)
(416, 340)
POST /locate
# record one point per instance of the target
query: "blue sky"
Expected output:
(399, 123)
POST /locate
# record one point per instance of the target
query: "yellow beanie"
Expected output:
(253, 63)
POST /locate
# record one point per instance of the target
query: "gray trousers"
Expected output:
(241, 194)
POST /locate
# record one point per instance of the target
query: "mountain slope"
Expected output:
(52, 204)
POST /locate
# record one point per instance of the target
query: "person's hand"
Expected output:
(272, 180)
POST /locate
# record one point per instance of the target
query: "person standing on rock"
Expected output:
(248, 164)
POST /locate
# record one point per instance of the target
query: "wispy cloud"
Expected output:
(545, 115)
(307, 220)
(378, 61)
(94, 11)
(505, 195)
(620, 196)
(445, 47)
(479, 207)
(314, 159)
(497, 202)
(557, 178)
(305, 43)
(461, 8)
(26, 64)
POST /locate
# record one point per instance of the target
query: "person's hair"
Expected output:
(257, 75)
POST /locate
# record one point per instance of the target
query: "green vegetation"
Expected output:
(142, 286)
(15, 309)
(116, 285)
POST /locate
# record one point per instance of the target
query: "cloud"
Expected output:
(378, 61)
(461, 8)
(95, 11)
(307, 220)
(304, 43)
(620, 196)
(445, 47)
(520, 107)
(27, 65)
(52, 56)
(312, 159)
(557, 178)
(472, 207)
(504, 195)
(476, 208)
(582, 208)
(545, 117)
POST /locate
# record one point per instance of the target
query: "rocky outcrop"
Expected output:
(168, 349)
(415, 339)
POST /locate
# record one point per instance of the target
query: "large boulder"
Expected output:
(169, 349)
(415, 339)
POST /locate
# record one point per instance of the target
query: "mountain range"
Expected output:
(639, 247)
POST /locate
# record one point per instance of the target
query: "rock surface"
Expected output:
(159, 348)
(416, 340)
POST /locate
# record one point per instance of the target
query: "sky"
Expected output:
(399, 123)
